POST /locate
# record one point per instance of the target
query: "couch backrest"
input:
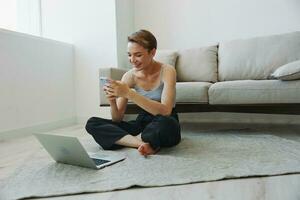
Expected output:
(199, 64)
(257, 58)
(166, 56)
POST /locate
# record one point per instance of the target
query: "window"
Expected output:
(21, 15)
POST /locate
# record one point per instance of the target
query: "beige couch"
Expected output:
(246, 75)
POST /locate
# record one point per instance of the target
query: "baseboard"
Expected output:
(82, 120)
(103, 112)
(38, 128)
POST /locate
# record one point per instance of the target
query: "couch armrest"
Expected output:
(110, 72)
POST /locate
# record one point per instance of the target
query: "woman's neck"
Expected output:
(153, 68)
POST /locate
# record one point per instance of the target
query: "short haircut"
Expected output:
(144, 38)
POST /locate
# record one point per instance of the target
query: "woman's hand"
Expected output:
(117, 89)
(110, 97)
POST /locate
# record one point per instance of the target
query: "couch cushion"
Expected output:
(197, 64)
(166, 57)
(192, 92)
(290, 71)
(258, 57)
(254, 92)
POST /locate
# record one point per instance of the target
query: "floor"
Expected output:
(14, 151)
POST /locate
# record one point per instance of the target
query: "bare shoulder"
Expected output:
(169, 72)
(128, 78)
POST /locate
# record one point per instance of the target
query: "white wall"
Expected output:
(91, 27)
(125, 26)
(192, 23)
(37, 87)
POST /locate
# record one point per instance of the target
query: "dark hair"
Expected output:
(144, 38)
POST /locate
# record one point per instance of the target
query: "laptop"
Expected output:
(68, 150)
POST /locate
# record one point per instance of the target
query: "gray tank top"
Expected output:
(154, 94)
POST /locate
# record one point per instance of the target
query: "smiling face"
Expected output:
(139, 57)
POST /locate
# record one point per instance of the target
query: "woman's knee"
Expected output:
(90, 122)
(94, 122)
(169, 131)
(166, 122)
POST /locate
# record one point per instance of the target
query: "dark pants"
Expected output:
(158, 131)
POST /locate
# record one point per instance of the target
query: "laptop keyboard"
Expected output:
(100, 161)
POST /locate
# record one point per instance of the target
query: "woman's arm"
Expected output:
(117, 109)
(118, 105)
(167, 99)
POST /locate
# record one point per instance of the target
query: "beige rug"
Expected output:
(206, 156)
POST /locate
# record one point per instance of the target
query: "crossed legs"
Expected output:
(160, 132)
(136, 142)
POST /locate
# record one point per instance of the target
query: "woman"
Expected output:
(154, 83)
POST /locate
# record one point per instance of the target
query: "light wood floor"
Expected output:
(286, 187)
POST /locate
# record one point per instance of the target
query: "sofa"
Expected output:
(254, 75)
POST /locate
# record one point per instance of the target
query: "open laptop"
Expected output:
(68, 150)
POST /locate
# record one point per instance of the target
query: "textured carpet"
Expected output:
(205, 156)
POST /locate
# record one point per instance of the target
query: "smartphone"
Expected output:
(104, 80)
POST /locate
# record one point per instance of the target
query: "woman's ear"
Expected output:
(153, 52)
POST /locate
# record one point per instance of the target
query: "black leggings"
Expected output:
(158, 131)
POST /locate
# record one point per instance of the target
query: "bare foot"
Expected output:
(146, 149)
(139, 136)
